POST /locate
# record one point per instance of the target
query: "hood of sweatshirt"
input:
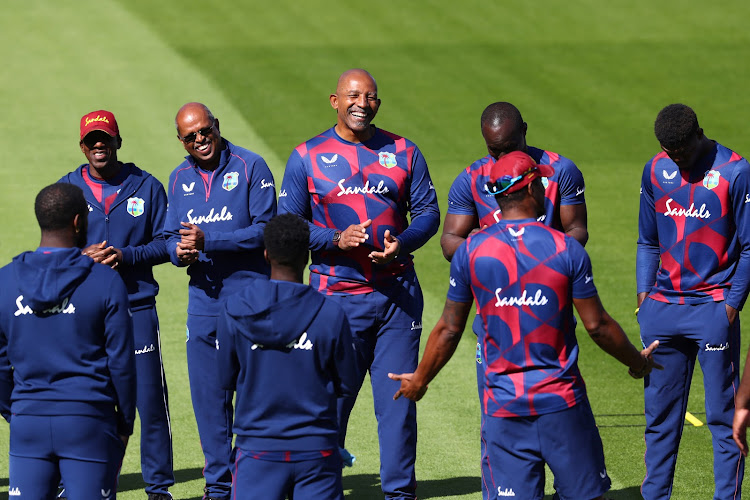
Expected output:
(46, 279)
(262, 314)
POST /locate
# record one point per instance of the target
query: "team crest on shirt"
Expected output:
(231, 180)
(388, 160)
(711, 180)
(135, 206)
(545, 182)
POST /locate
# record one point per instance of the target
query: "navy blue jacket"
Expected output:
(287, 350)
(231, 209)
(134, 225)
(66, 338)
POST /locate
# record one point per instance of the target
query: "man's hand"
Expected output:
(124, 440)
(408, 389)
(192, 237)
(114, 259)
(648, 362)
(100, 252)
(354, 235)
(391, 248)
(739, 428)
(731, 313)
(186, 255)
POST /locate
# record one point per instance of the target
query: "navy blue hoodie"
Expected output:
(134, 224)
(66, 338)
(287, 350)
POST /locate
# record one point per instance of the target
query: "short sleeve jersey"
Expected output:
(697, 220)
(335, 183)
(524, 276)
(467, 195)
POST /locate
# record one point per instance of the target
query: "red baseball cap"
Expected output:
(513, 171)
(99, 120)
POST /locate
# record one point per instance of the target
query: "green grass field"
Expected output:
(588, 76)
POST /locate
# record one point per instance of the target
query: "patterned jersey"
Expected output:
(524, 276)
(696, 223)
(468, 197)
(334, 183)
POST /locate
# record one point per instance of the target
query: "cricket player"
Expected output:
(470, 207)
(288, 352)
(67, 367)
(526, 278)
(220, 199)
(693, 276)
(356, 184)
(127, 207)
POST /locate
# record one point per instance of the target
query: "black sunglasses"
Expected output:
(192, 136)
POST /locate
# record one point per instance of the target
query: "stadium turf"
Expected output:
(588, 76)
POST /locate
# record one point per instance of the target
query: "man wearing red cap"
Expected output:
(127, 208)
(525, 278)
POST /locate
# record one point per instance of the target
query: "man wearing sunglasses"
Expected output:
(526, 278)
(693, 277)
(469, 205)
(127, 207)
(220, 199)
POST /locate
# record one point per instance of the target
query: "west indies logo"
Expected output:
(388, 160)
(711, 180)
(136, 206)
(231, 180)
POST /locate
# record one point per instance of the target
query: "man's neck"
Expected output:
(353, 136)
(110, 170)
(283, 273)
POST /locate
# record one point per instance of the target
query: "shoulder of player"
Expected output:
(238, 152)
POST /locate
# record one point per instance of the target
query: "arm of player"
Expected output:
(228, 365)
(153, 252)
(261, 207)
(456, 228)
(647, 254)
(609, 336)
(440, 347)
(6, 377)
(574, 220)
(178, 256)
(294, 198)
(740, 191)
(423, 207)
(118, 344)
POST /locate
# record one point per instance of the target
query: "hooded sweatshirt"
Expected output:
(288, 352)
(66, 338)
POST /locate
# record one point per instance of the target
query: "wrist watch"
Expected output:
(336, 237)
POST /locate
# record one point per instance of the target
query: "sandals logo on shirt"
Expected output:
(711, 180)
(231, 180)
(136, 206)
(388, 160)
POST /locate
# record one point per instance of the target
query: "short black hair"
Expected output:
(57, 205)
(675, 125)
(506, 201)
(287, 239)
(498, 113)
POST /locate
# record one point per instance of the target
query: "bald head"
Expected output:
(498, 113)
(198, 131)
(503, 129)
(356, 103)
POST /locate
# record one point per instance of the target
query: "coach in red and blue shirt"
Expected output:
(127, 207)
(470, 207)
(356, 184)
(693, 276)
(526, 278)
(220, 199)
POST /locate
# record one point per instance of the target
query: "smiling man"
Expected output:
(127, 207)
(356, 184)
(220, 199)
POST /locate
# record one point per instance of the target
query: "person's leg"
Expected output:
(397, 351)
(32, 466)
(91, 453)
(514, 459)
(572, 448)
(255, 478)
(719, 357)
(665, 393)
(212, 405)
(152, 403)
(319, 478)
